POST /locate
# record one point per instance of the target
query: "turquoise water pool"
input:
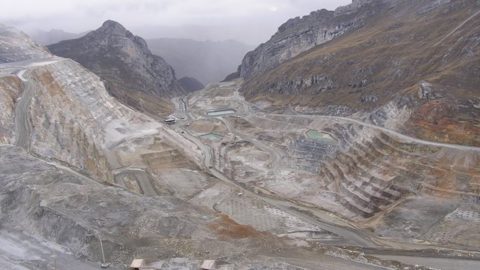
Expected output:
(212, 137)
(320, 136)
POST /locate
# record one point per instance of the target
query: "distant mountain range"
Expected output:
(53, 36)
(190, 84)
(207, 61)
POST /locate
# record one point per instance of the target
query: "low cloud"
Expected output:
(250, 21)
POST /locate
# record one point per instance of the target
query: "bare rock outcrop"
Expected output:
(10, 90)
(131, 72)
(298, 35)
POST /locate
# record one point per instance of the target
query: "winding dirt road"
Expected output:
(351, 234)
(393, 133)
(23, 127)
(457, 28)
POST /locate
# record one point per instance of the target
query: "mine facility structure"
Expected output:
(170, 120)
(140, 264)
(221, 112)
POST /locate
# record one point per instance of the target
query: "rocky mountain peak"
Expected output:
(357, 4)
(113, 28)
(124, 61)
(305, 21)
(112, 33)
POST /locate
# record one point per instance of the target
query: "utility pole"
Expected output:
(103, 264)
(54, 257)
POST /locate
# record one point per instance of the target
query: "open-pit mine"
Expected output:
(299, 167)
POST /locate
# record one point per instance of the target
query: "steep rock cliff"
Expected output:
(420, 55)
(298, 35)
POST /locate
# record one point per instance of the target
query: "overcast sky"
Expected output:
(250, 21)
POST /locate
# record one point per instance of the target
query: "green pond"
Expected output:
(212, 137)
(320, 136)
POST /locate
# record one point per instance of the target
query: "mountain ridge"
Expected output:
(131, 72)
(390, 62)
(300, 34)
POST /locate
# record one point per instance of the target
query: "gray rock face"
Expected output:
(353, 6)
(123, 61)
(301, 34)
(320, 83)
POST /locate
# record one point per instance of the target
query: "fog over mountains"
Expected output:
(207, 61)
(52, 36)
(248, 21)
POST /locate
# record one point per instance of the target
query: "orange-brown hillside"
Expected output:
(400, 48)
